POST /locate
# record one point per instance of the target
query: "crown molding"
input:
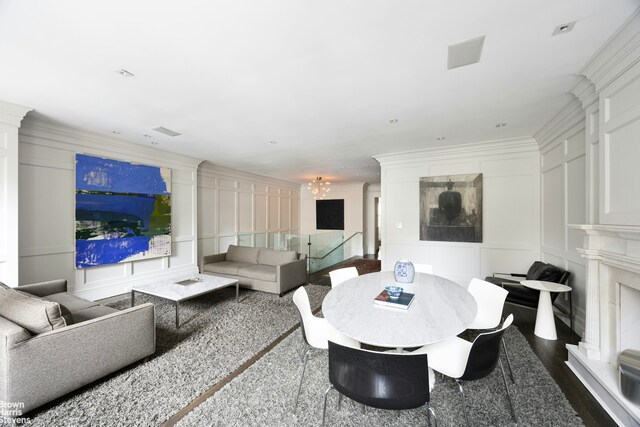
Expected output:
(39, 131)
(213, 170)
(569, 116)
(619, 53)
(12, 114)
(506, 146)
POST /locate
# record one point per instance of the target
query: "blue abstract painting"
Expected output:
(123, 211)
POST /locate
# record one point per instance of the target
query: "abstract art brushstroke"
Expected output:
(123, 211)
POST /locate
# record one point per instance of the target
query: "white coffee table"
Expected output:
(171, 290)
(545, 323)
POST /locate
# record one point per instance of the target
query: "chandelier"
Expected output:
(319, 188)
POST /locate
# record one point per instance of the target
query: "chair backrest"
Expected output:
(549, 273)
(340, 275)
(301, 300)
(490, 299)
(485, 353)
(423, 268)
(380, 380)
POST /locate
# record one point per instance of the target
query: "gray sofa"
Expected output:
(54, 342)
(260, 269)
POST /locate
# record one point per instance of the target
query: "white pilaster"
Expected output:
(10, 117)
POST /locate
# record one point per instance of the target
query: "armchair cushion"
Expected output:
(546, 272)
(32, 313)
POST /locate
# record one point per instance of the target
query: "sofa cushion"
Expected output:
(32, 313)
(88, 314)
(225, 267)
(274, 257)
(259, 272)
(69, 303)
(242, 254)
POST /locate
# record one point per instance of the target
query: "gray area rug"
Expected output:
(216, 336)
(263, 396)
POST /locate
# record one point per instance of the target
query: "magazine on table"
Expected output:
(402, 302)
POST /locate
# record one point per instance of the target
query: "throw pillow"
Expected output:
(32, 313)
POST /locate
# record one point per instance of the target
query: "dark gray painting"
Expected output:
(451, 208)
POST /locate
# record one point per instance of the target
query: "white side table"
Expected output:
(545, 323)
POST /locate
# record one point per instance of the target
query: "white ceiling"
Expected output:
(322, 78)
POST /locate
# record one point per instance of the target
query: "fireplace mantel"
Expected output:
(613, 263)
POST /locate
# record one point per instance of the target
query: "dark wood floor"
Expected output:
(553, 355)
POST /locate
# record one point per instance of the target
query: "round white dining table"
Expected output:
(441, 309)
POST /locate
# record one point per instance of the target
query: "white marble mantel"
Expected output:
(613, 263)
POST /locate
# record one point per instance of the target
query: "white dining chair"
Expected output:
(316, 332)
(340, 275)
(423, 268)
(490, 299)
(468, 361)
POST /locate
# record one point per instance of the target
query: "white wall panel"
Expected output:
(182, 195)
(272, 203)
(227, 215)
(252, 209)
(260, 212)
(508, 209)
(511, 208)
(148, 265)
(245, 212)
(182, 254)
(553, 208)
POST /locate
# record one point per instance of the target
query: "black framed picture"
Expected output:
(451, 208)
(330, 214)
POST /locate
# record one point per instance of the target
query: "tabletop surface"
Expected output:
(541, 285)
(441, 309)
(170, 290)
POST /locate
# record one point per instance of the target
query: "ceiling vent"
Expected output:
(465, 52)
(166, 131)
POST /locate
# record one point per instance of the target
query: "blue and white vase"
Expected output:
(403, 271)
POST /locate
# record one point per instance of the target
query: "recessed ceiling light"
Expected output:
(147, 135)
(563, 28)
(500, 125)
(393, 121)
(273, 142)
(117, 132)
(124, 73)
(440, 138)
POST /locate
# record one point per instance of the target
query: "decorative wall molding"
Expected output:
(215, 171)
(570, 115)
(496, 147)
(617, 55)
(12, 114)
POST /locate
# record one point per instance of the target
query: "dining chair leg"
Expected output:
(506, 387)
(431, 412)
(324, 409)
(464, 403)
(506, 353)
(339, 401)
(304, 366)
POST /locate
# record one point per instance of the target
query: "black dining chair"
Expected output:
(380, 380)
(468, 361)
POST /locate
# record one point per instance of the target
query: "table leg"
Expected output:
(545, 323)
(177, 314)
(132, 299)
(237, 292)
